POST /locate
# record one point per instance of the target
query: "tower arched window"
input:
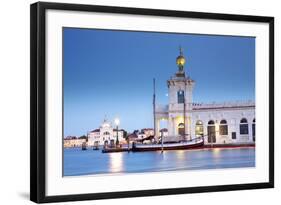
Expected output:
(244, 129)
(223, 127)
(180, 96)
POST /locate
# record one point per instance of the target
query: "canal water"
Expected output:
(88, 162)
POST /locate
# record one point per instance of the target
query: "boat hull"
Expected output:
(176, 146)
(109, 150)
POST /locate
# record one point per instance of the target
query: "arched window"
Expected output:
(181, 129)
(211, 122)
(180, 96)
(223, 127)
(254, 129)
(211, 131)
(106, 133)
(244, 130)
(199, 128)
(181, 125)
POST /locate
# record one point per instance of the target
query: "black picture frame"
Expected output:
(38, 101)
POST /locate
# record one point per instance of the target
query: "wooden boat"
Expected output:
(194, 143)
(96, 146)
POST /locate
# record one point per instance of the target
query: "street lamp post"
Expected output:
(117, 122)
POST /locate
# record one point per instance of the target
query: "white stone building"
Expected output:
(105, 134)
(219, 123)
(73, 142)
(147, 132)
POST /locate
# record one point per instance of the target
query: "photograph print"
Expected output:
(140, 102)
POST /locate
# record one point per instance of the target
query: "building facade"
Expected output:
(105, 134)
(147, 132)
(218, 123)
(68, 143)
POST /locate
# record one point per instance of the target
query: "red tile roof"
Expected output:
(96, 130)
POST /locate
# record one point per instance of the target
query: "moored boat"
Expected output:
(84, 146)
(119, 149)
(194, 143)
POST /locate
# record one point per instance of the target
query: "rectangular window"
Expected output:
(244, 129)
(180, 97)
(223, 130)
(233, 135)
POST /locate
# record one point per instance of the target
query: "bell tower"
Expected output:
(180, 88)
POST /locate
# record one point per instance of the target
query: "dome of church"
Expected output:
(105, 123)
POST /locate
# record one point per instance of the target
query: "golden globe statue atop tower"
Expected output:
(180, 60)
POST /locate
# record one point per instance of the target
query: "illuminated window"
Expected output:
(181, 129)
(244, 130)
(180, 96)
(199, 128)
(223, 127)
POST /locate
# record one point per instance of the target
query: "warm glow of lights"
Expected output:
(216, 152)
(217, 128)
(199, 122)
(181, 155)
(116, 162)
(180, 119)
(117, 121)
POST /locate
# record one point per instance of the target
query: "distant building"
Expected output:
(105, 134)
(163, 132)
(232, 122)
(133, 137)
(147, 132)
(73, 142)
(70, 137)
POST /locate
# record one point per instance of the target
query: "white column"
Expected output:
(175, 127)
(238, 137)
(191, 128)
(157, 129)
(170, 126)
(186, 125)
(250, 131)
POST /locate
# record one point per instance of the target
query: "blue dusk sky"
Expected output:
(110, 73)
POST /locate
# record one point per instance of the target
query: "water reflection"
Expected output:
(78, 162)
(116, 162)
(180, 154)
(216, 152)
